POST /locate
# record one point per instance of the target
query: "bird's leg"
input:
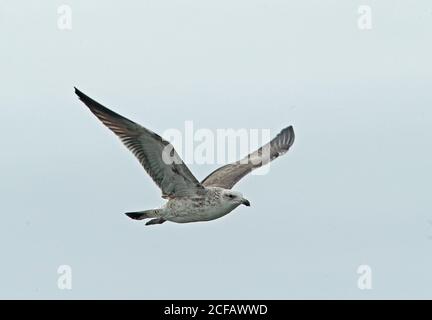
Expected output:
(155, 221)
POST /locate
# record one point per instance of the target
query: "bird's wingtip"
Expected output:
(77, 92)
(291, 128)
(81, 95)
(288, 129)
(289, 133)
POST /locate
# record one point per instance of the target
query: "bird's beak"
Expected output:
(246, 202)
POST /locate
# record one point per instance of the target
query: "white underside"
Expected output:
(183, 212)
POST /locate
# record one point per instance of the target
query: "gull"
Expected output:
(188, 199)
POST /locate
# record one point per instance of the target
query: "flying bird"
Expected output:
(188, 199)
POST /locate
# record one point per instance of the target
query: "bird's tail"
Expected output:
(140, 215)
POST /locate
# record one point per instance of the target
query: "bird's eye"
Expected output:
(231, 196)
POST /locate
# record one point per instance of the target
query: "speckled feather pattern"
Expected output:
(188, 199)
(210, 205)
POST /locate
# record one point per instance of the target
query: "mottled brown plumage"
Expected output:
(188, 199)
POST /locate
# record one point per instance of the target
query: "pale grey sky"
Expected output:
(354, 190)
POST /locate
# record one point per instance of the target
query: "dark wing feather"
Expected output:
(228, 175)
(173, 177)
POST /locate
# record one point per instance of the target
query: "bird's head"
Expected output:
(235, 197)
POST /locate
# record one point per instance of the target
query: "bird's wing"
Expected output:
(228, 175)
(156, 155)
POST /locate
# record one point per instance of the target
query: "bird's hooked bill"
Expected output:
(246, 202)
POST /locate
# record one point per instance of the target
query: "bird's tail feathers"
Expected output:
(140, 215)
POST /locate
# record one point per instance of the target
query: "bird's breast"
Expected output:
(195, 209)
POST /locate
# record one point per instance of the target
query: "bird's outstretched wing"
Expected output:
(156, 155)
(228, 175)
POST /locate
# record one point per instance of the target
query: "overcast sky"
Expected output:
(354, 189)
